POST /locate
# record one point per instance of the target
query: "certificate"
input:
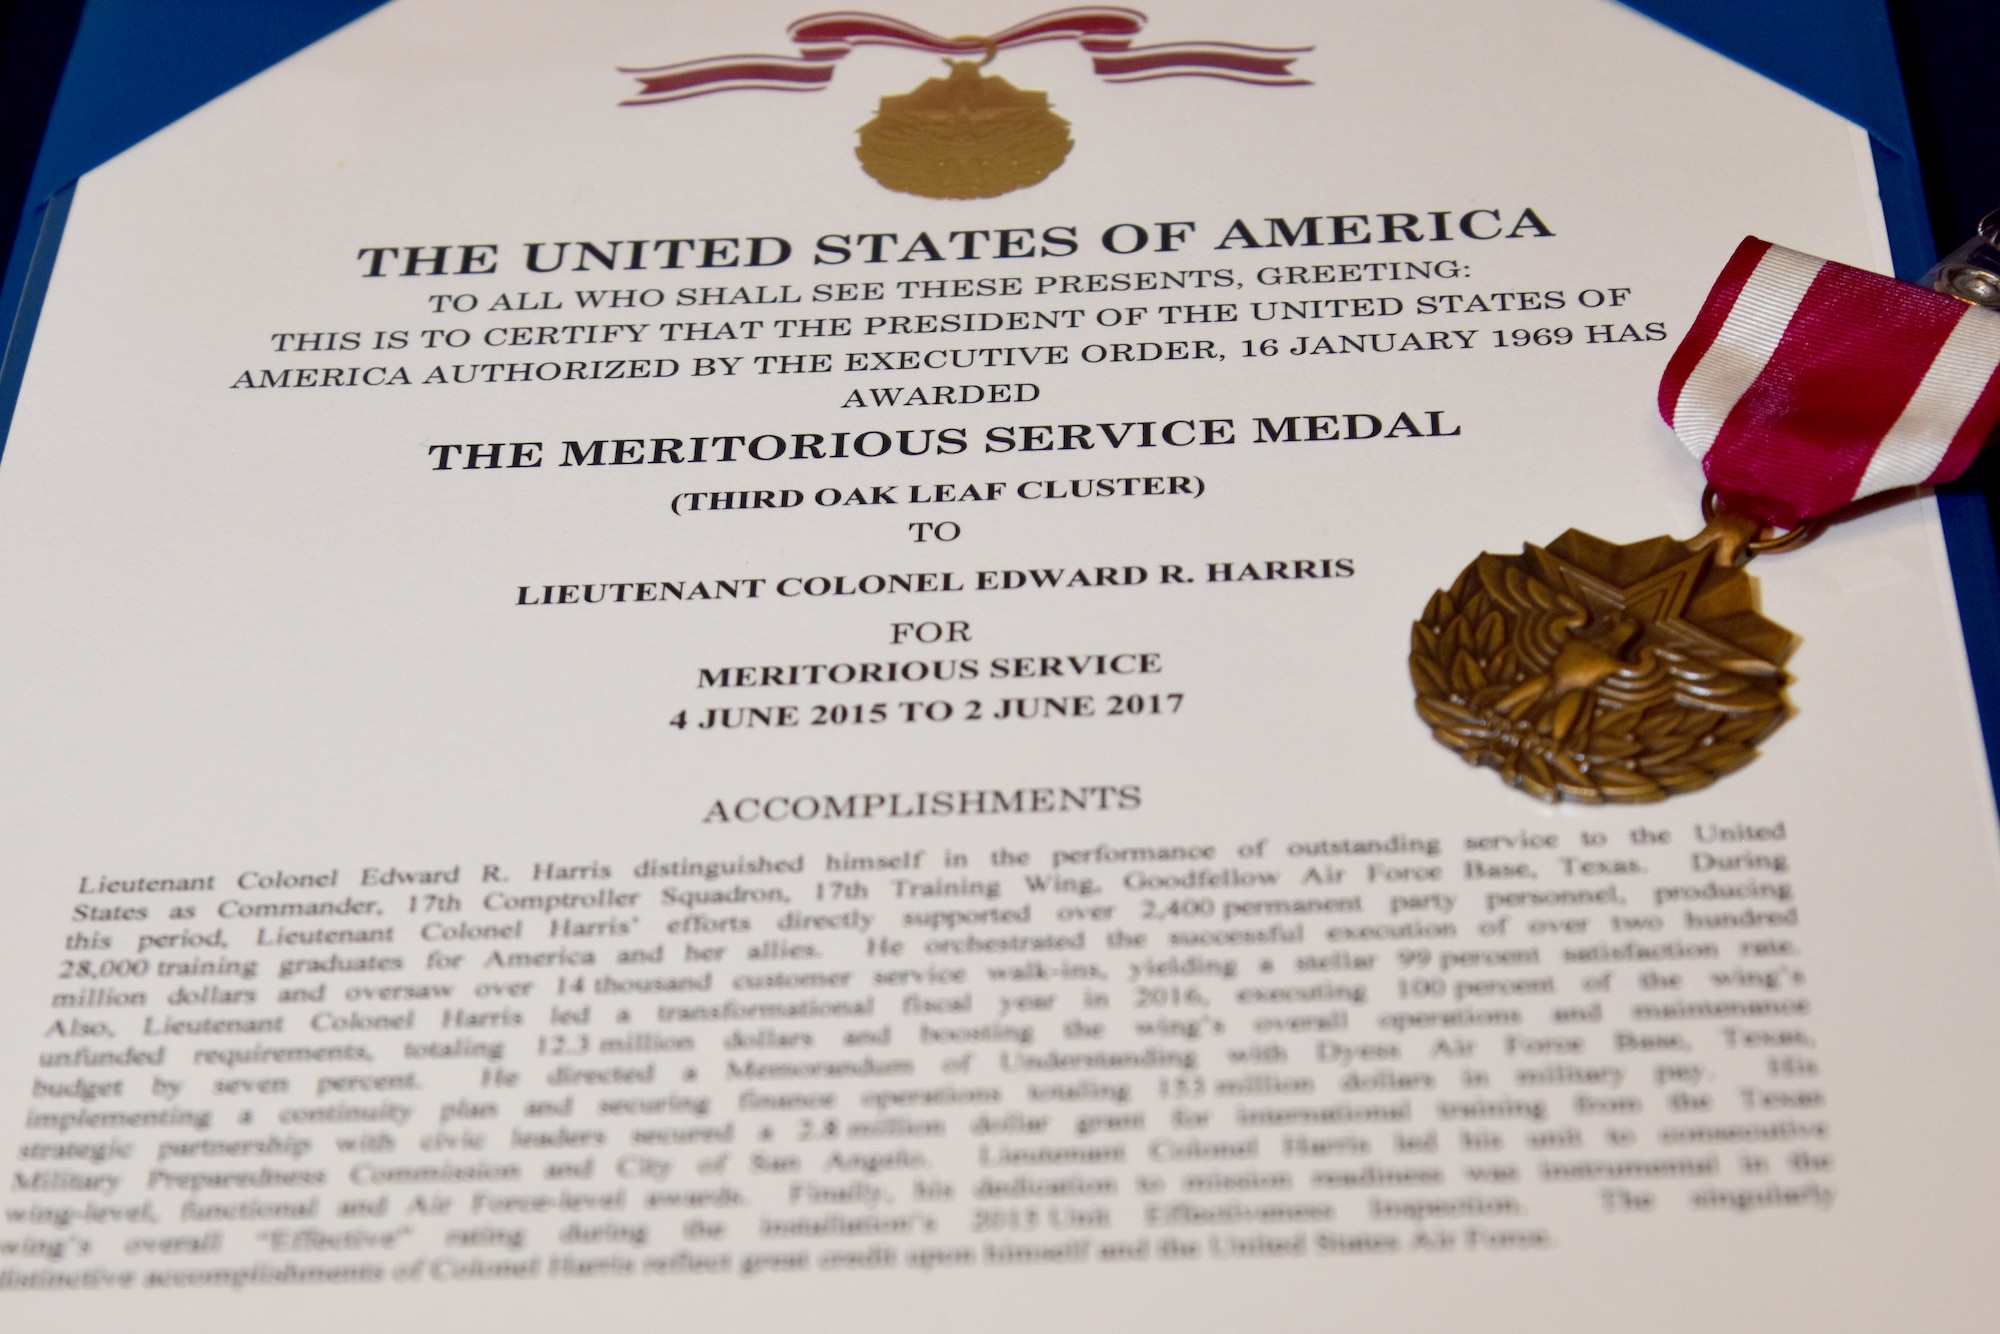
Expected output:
(754, 669)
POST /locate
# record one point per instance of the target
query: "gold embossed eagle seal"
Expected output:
(1593, 672)
(966, 136)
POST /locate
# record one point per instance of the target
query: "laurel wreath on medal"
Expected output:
(1595, 672)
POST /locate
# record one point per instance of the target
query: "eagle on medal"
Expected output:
(1594, 672)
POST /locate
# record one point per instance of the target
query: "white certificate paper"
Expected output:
(604, 719)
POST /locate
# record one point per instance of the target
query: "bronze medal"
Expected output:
(1589, 671)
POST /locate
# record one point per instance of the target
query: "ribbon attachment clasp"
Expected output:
(1972, 272)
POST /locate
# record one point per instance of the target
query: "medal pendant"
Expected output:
(966, 136)
(1590, 671)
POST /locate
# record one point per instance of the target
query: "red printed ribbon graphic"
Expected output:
(1805, 384)
(1106, 33)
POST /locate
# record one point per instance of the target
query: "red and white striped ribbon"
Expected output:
(1105, 32)
(1805, 385)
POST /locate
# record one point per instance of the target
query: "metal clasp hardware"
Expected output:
(1972, 272)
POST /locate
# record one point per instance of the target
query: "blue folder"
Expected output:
(139, 65)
